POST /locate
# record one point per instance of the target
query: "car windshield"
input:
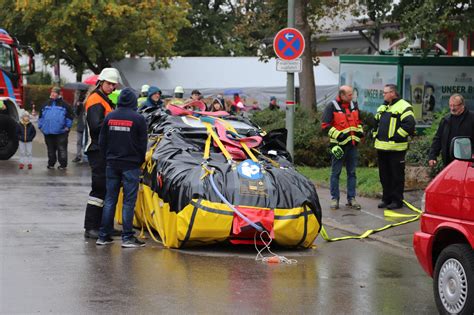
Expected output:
(6, 58)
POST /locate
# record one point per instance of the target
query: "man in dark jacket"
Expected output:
(395, 122)
(459, 122)
(123, 141)
(97, 106)
(54, 121)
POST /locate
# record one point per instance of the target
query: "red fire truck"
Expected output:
(11, 90)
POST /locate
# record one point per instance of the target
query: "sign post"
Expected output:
(289, 46)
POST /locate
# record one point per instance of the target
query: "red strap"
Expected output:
(242, 232)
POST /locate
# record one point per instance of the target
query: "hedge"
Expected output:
(37, 94)
(310, 141)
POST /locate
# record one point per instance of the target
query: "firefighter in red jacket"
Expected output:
(342, 123)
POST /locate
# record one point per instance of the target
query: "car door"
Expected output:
(467, 212)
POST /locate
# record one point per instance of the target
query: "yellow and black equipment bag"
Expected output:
(193, 186)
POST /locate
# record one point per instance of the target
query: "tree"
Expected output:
(209, 29)
(257, 27)
(90, 34)
(224, 28)
(430, 19)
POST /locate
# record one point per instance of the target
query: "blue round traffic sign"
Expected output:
(288, 43)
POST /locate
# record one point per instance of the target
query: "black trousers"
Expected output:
(95, 202)
(57, 149)
(392, 175)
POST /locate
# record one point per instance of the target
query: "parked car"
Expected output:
(445, 245)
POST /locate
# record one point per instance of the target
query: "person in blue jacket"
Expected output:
(153, 99)
(123, 142)
(55, 121)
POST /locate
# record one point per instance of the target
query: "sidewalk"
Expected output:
(355, 222)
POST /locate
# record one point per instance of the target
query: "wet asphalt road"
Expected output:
(48, 267)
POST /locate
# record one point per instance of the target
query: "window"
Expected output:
(6, 58)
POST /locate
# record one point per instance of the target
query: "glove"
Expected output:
(337, 151)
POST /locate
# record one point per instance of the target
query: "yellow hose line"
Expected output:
(388, 213)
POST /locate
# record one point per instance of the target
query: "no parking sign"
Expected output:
(288, 44)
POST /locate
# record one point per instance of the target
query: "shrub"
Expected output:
(37, 94)
(310, 141)
(420, 146)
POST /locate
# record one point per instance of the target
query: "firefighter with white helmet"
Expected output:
(178, 98)
(97, 106)
(143, 95)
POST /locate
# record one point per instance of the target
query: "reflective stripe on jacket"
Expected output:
(97, 106)
(345, 126)
(394, 124)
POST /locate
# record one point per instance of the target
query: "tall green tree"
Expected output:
(209, 29)
(90, 34)
(430, 19)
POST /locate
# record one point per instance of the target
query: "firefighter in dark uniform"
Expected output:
(97, 106)
(342, 123)
(395, 121)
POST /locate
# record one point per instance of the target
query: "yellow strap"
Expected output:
(218, 141)
(249, 153)
(207, 148)
(415, 217)
(206, 172)
(146, 221)
(273, 162)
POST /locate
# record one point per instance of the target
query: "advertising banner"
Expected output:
(428, 88)
(368, 82)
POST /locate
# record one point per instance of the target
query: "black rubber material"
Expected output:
(8, 129)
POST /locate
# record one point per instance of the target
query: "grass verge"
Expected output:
(368, 183)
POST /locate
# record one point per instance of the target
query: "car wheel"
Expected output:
(454, 280)
(8, 137)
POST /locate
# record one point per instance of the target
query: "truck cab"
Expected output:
(445, 244)
(11, 91)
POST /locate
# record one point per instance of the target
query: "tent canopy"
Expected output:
(215, 75)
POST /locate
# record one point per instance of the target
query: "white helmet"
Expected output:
(179, 89)
(145, 88)
(111, 75)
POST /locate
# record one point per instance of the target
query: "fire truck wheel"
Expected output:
(8, 137)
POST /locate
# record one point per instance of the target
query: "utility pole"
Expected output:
(290, 90)
(57, 70)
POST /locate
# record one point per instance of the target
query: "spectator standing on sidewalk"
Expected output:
(55, 121)
(97, 106)
(459, 122)
(395, 121)
(123, 141)
(26, 133)
(80, 114)
(342, 123)
(273, 105)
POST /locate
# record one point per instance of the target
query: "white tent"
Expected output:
(224, 75)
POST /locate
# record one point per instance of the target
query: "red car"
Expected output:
(445, 244)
